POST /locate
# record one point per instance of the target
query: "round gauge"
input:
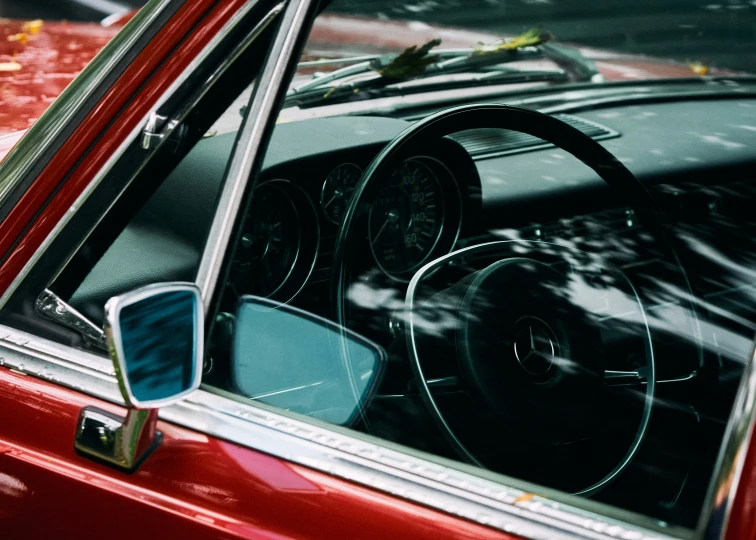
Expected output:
(406, 218)
(337, 190)
(269, 245)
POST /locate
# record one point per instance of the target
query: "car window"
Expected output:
(146, 218)
(486, 296)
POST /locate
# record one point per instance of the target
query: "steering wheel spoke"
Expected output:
(445, 384)
(626, 378)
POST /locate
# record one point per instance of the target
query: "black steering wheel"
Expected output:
(525, 344)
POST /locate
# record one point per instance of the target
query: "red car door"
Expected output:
(224, 468)
(195, 485)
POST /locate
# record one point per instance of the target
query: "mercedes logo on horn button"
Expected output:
(534, 349)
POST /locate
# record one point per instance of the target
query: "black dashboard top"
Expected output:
(657, 141)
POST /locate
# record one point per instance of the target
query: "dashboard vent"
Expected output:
(491, 142)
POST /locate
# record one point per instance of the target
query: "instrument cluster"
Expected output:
(415, 216)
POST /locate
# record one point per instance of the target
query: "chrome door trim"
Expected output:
(261, 112)
(333, 451)
(265, 21)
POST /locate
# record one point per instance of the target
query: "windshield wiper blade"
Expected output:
(333, 87)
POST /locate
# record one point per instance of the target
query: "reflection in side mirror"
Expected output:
(297, 361)
(155, 340)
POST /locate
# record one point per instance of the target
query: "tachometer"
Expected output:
(406, 218)
(337, 190)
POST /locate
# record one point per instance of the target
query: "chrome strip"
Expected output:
(217, 39)
(52, 306)
(715, 514)
(77, 95)
(261, 112)
(335, 451)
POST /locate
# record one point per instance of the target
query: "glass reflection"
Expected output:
(158, 342)
(297, 361)
(613, 292)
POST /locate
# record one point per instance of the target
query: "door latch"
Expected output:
(157, 129)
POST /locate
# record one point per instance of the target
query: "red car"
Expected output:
(273, 271)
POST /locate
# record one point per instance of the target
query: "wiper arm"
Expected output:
(451, 61)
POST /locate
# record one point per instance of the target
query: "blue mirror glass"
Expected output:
(294, 360)
(156, 336)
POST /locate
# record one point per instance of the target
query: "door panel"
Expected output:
(193, 486)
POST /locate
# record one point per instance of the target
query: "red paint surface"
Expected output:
(193, 486)
(742, 524)
(48, 62)
(137, 88)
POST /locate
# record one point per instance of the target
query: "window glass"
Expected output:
(148, 218)
(483, 295)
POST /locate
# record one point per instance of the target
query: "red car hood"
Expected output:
(37, 61)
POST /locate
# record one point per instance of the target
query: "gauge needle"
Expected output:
(391, 217)
(336, 195)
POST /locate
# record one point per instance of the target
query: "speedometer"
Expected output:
(406, 218)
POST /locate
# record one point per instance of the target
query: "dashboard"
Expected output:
(696, 157)
(437, 197)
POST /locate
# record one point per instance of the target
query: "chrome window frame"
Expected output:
(502, 503)
(131, 139)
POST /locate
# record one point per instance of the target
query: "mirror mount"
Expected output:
(123, 443)
(155, 340)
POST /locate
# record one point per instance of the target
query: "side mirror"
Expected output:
(292, 359)
(155, 339)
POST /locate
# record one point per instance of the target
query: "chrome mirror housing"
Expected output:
(155, 340)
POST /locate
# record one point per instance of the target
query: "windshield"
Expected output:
(362, 50)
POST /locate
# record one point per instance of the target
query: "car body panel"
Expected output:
(742, 518)
(48, 57)
(193, 486)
